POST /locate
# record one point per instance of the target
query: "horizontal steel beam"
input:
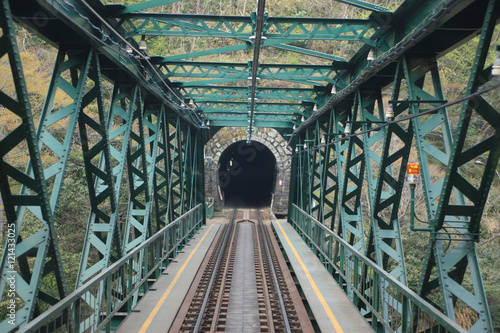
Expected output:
(75, 23)
(243, 27)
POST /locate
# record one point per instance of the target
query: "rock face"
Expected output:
(266, 136)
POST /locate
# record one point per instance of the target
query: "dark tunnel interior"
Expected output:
(246, 175)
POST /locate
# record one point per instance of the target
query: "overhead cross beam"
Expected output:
(201, 93)
(286, 29)
(227, 72)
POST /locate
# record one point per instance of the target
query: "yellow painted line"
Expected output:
(329, 312)
(171, 286)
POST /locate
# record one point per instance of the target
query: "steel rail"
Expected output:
(214, 275)
(273, 271)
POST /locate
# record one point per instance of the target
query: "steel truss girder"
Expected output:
(351, 216)
(303, 195)
(258, 123)
(163, 176)
(79, 21)
(178, 142)
(384, 243)
(141, 161)
(243, 107)
(37, 256)
(328, 181)
(224, 93)
(105, 177)
(243, 27)
(230, 72)
(338, 62)
(244, 117)
(453, 212)
(318, 160)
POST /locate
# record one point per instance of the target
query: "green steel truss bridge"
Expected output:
(350, 124)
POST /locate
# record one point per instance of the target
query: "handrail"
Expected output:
(74, 312)
(399, 309)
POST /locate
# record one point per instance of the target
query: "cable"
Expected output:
(395, 51)
(457, 101)
(199, 122)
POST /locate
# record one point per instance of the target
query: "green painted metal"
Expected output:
(160, 247)
(75, 18)
(213, 108)
(103, 238)
(139, 6)
(104, 181)
(285, 29)
(152, 136)
(305, 74)
(163, 173)
(321, 240)
(34, 194)
(201, 93)
(38, 255)
(458, 215)
(385, 187)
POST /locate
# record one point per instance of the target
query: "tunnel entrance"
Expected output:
(247, 172)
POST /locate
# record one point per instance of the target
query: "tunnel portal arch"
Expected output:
(247, 174)
(268, 137)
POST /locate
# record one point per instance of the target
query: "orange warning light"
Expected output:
(413, 169)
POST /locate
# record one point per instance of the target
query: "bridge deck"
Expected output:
(157, 310)
(332, 310)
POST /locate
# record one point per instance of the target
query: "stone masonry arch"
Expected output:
(266, 136)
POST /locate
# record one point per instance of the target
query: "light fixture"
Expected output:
(495, 71)
(183, 105)
(412, 173)
(191, 103)
(334, 90)
(129, 49)
(142, 44)
(347, 129)
(371, 55)
(323, 140)
(389, 114)
(315, 108)
(305, 145)
(302, 119)
(294, 127)
(208, 122)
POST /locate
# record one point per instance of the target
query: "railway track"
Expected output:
(242, 284)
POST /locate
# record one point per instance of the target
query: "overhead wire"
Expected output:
(495, 85)
(417, 33)
(196, 121)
